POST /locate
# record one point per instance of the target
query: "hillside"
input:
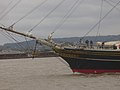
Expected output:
(30, 44)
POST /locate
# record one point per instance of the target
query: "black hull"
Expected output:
(92, 65)
(90, 61)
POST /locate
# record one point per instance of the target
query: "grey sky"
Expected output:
(80, 22)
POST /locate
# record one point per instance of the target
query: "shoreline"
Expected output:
(25, 55)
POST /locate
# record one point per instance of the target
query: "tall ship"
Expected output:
(102, 57)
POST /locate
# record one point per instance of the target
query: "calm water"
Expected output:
(50, 74)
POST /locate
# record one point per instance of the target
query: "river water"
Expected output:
(51, 74)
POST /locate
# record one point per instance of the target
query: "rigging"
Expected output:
(10, 9)
(26, 16)
(34, 51)
(16, 41)
(67, 15)
(46, 16)
(8, 36)
(6, 7)
(111, 1)
(112, 5)
(41, 22)
(27, 44)
(98, 31)
(101, 19)
(29, 12)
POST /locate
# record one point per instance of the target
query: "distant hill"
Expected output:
(30, 44)
(26, 46)
(93, 38)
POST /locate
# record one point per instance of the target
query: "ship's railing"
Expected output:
(97, 47)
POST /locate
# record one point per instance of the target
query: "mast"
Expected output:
(47, 42)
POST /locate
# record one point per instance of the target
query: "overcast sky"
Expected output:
(82, 19)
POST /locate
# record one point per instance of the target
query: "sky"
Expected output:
(79, 21)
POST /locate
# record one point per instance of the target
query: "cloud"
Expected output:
(81, 21)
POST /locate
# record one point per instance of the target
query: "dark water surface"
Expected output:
(51, 74)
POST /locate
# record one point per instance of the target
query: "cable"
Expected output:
(29, 12)
(111, 1)
(10, 9)
(8, 36)
(67, 15)
(15, 41)
(27, 44)
(2, 24)
(46, 16)
(101, 19)
(34, 51)
(26, 16)
(112, 5)
(5, 35)
(6, 7)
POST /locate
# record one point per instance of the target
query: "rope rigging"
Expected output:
(27, 44)
(2, 25)
(10, 9)
(29, 12)
(98, 33)
(15, 40)
(41, 22)
(26, 16)
(111, 1)
(101, 19)
(67, 15)
(112, 5)
(5, 35)
(23, 18)
(46, 16)
(8, 36)
(6, 7)
(34, 51)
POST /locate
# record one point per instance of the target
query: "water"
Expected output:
(51, 74)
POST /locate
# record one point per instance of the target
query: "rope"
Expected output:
(15, 40)
(30, 12)
(112, 5)
(27, 44)
(34, 51)
(6, 7)
(8, 36)
(10, 9)
(5, 35)
(101, 19)
(100, 16)
(46, 16)
(2, 24)
(111, 1)
(67, 15)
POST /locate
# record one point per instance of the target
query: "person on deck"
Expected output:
(114, 46)
(87, 43)
(103, 44)
(91, 44)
